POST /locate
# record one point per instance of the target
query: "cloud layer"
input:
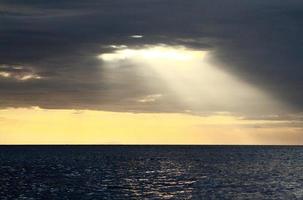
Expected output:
(56, 46)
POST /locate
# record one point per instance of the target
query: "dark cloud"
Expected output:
(258, 41)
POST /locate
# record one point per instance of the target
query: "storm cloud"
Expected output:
(55, 44)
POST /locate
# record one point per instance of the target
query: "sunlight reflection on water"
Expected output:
(150, 172)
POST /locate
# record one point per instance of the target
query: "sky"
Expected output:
(151, 72)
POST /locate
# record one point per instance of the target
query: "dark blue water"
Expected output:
(151, 172)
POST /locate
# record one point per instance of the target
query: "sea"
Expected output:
(151, 172)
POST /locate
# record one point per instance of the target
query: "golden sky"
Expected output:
(43, 126)
(74, 73)
(198, 86)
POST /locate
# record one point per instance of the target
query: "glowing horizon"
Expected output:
(196, 83)
(240, 58)
(44, 126)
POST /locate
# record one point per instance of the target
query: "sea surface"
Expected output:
(151, 172)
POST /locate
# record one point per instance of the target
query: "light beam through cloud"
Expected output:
(199, 85)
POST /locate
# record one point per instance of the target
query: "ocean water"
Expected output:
(151, 172)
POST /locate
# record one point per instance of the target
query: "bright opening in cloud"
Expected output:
(150, 98)
(153, 53)
(19, 73)
(190, 74)
(136, 36)
(5, 74)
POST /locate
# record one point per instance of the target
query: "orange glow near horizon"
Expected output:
(188, 74)
(43, 126)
